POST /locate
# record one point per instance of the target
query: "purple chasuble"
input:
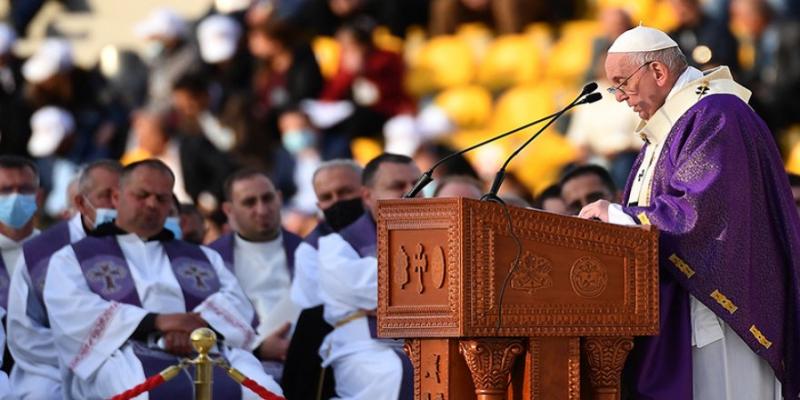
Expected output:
(224, 246)
(322, 229)
(38, 250)
(730, 236)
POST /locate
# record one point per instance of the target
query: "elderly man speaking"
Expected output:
(711, 180)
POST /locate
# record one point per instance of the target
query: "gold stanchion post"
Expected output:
(203, 340)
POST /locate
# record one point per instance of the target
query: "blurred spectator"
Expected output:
(429, 153)
(193, 225)
(51, 142)
(324, 17)
(370, 78)
(14, 115)
(301, 143)
(287, 72)
(550, 200)
(169, 52)
(707, 42)
(55, 80)
(770, 62)
(613, 22)
(459, 186)
(514, 188)
(586, 184)
(229, 63)
(502, 16)
(154, 140)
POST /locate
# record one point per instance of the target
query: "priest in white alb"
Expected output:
(123, 301)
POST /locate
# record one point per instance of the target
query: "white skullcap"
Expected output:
(49, 125)
(162, 23)
(218, 36)
(433, 122)
(7, 38)
(53, 56)
(641, 39)
(231, 6)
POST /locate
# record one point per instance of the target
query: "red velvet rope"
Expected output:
(260, 390)
(146, 386)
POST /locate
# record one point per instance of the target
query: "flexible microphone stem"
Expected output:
(498, 179)
(427, 177)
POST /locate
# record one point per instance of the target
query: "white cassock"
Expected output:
(363, 367)
(261, 268)
(5, 390)
(35, 375)
(305, 285)
(93, 333)
(723, 366)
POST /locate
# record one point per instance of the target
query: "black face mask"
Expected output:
(343, 213)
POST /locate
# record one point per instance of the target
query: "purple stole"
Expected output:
(4, 283)
(224, 246)
(108, 275)
(37, 253)
(363, 237)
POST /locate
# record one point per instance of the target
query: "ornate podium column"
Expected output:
(490, 361)
(606, 357)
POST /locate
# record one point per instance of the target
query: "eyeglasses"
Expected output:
(621, 86)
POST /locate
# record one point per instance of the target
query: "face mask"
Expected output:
(343, 213)
(153, 49)
(296, 140)
(173, 224)
(101, 215)
(17, 209)
(429, 190)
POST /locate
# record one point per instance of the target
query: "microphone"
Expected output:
(427, 176)
(501, 174)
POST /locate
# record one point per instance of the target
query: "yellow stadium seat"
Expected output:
(445, 61)
(570, 58)
(365, 149)
(467, 106)
(522, 104)
(541, 33)
(539, 165)
(477, 36)
(327, 53)
(511, 60)
(383, 39)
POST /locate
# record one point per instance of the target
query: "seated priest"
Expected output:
(123, 301)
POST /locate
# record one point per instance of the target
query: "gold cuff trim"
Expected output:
(643, 218)
(352, 317)
(760, 337)
(682, 265)
(724, 301)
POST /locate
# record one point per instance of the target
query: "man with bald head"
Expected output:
(122, 301)
(261, 255)
(710, 178)
(36, 374)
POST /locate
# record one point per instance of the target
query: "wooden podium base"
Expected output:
(499, 368)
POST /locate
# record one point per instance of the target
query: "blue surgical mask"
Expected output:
(173, 224)
(297, 140)
(429, 190)
(17, 209)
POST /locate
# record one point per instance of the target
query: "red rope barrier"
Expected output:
(146, 386)
(260, 390)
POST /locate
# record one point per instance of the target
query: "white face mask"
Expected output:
(173, 224)
(101, 215)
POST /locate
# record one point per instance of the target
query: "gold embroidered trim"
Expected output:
(643, 218)
(760, 337)
(724, 301)
(682, 265)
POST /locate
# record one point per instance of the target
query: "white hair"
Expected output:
(338, 163)
(672, 57)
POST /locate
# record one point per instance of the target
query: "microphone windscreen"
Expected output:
(592, 98)
(589, 88)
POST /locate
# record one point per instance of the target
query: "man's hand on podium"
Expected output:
(596, 210)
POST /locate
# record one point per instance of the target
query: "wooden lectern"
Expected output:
(581, 291)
